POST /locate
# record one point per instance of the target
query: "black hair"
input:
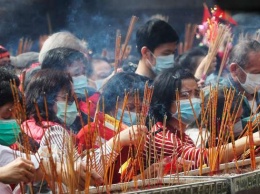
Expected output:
(241, 51)
(61, 58)
(118, 86)
(154, 33)
(29, 74)
(189, 59)
(165, 86)
(46, 83)
(6, 78)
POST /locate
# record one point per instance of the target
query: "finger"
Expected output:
(29, 175)
(81, 184)
(30, 168)
(28, 162)
(26, 178)
(97, 179)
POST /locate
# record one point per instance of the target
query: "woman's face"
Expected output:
(130, 105)
(189, 89)
(64, 96)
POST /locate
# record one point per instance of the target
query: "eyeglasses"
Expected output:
(69, 99)
(189, 94)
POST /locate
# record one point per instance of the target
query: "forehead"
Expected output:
(188, 84)
(76, 66)
(166, 47)
(253, 65)
(5, 112)
(100, 66)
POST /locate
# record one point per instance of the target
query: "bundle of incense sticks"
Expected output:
(227, 48)
(24, 45)
(216, 35)
(64, 171)
(117, 49)
(49, 23)
(190, 32)
(119, 56)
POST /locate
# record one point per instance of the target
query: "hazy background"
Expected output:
(96, 21)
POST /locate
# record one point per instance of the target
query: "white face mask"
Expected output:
(252, 82)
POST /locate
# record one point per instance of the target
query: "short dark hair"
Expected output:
(118, 85)
(61, 58)
(165, 86)
(6, 94)
(240, 52)
(154, 33)
(188, 60)
(47, 83)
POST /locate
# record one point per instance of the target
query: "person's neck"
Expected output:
(143, 70)
(174, 123)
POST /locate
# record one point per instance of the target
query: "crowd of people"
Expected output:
(66, 93)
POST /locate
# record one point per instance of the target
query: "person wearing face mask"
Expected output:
(108, 121)
(219, 96)
(99, 73)
(114, 97)
(52, 92)
(244, 76)
(156, 43)
(167, 135)
(14, 167)
(76, 64)
(10, 133)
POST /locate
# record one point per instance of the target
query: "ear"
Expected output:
(233, 70)
(145, 52)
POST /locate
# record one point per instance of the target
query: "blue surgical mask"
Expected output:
(71, 112)
(9, 131)
(80, 84)
(186, 112)
(126, 117)
(163, 62)
(99, 83)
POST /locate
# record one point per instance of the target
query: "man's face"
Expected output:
(252, 67)
(164, 50)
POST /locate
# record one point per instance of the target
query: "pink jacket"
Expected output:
(35, 131)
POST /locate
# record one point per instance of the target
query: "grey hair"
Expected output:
(240, 52)
(62, 39)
